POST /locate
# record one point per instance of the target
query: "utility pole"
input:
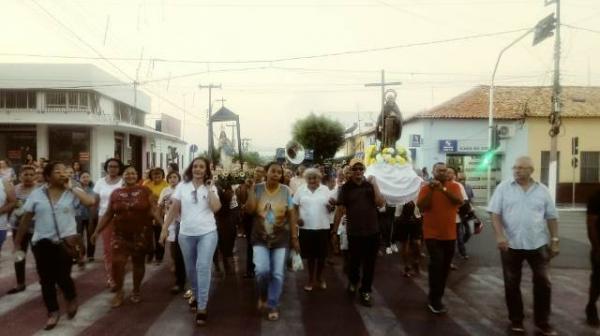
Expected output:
(222, 100)
(210, 131)
(556, 109)
(383, 85)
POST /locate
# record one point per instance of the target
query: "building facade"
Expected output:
(77, 112)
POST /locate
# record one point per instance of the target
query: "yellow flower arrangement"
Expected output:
(392, 156)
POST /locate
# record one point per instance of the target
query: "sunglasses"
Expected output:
(358, 168)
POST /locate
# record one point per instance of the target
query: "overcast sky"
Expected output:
(270, 92)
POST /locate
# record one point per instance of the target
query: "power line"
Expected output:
(581, 28)
(275, 60)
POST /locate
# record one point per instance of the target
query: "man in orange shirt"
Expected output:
(439, 201)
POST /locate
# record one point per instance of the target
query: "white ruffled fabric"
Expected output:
(398, 184)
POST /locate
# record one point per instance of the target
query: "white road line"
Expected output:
(379, 320)
(10, 302)
(462, 312)
(93, 309)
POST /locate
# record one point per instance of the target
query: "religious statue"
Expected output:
(226, 149)
(389, 122)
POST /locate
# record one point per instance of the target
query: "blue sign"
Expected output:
(415, 140)
(448, 146)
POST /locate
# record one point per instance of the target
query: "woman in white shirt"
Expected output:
(103, 188)
(195, 201)
(312, 202)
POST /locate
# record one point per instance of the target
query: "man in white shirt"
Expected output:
(525, 221)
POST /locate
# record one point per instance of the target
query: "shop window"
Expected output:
(69, 145)
(590, 167)
(545, 167)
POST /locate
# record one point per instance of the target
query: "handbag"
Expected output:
(73, 244)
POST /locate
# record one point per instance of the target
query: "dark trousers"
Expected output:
(594, 280)
(460, 239)
(247, 222)
(362, 252)
(440, 258)
(386, 225)
(20, 265)
(54, 269)
(226, 228)
(89, 226)
(512, 262)
(158, 251)
(179, 263)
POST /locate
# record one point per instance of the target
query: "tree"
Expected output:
(319, 133)
(252, 159)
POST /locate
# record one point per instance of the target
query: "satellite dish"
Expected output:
(294, 152)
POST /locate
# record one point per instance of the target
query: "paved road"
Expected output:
(475, 298)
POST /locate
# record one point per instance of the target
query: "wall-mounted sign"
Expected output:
(415, 140)
(448, 146)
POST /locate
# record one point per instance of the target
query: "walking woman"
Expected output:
(103, 188)
(130, 210)
(156, 184)
(312, 202)
(275, 228)
(196, 201)
(86, 217)
(164, 204)
(22, 191)
(8, 201)
(53, 206)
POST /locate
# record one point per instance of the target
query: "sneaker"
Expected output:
(453, 267)
(395, 248)
(546, 329)
(591, 314)
(388, 250)
(437, 309)
(365, 299)
(517, 327)
(188, 294)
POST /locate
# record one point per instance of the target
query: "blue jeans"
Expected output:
(2, 237)
(198, 253)
(269, 267)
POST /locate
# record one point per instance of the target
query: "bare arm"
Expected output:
(84, 198)
(22, 229)
(250, 207)
(499, 231)
(340, 211)
(213, 200)
(553, 227)
(105, 220)
(453, 198)
(425, 203)
(293, 220)
(379, 200)
(154, 210)
(174, 211)
(11, 198)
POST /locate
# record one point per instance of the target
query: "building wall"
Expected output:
(539, 140)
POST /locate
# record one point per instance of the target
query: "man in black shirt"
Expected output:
(593, 223)
(359, 199)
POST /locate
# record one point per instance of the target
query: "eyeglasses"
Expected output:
(195, 195)
(358, 168)
(113, 166)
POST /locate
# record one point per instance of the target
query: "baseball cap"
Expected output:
(355, 161)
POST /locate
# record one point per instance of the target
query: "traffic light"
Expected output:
(575, 145)
(544, 29)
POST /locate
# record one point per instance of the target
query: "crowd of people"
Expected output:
(58, 211)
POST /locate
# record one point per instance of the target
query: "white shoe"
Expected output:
(395, 248)
(388, 250)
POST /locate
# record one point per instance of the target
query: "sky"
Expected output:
(280, 60)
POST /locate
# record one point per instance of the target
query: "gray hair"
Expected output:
(525, 159)
(311, 172)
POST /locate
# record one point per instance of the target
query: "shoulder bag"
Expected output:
(73, 244)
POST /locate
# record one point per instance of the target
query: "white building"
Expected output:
(77, 112)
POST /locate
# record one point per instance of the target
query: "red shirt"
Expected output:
(439, 221)
(131, 206)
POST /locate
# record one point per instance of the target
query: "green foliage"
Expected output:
(319, 133)
(252, 159)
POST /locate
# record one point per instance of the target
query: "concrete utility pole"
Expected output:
(210, 131)
(383, 85)
(556, 109)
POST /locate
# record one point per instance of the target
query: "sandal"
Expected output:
(273, 315)
(135, 297)
(201, 318)
(193, 304)
(308, 288)
(72, 308)
(117, 300)
(52, 320)
(261, 304)
(323, 284)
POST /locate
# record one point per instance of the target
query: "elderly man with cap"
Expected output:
(359, 199)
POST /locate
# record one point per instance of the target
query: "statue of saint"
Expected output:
(389, 122)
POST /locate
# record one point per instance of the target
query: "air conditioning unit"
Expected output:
(506, 131)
